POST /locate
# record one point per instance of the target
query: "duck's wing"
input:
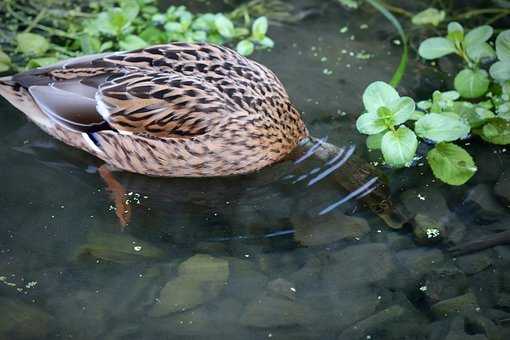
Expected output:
(127, 93)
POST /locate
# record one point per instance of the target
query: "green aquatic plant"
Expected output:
(116, 25)
(479, 105)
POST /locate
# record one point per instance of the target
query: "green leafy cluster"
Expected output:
(126, 25)
(479, 105)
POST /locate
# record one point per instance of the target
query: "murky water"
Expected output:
(250, 257)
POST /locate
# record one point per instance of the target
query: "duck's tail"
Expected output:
(21, 99)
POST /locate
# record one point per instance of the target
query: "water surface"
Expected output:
(250, 257)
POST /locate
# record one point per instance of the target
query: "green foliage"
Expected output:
(122, 25)
(451, 163)
(430, 16)
(479, 105)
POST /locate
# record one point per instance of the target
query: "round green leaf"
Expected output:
(478, 35)
(451, 163)
(503, 46)
(399, 147)
(245, 47)
(41, 62)
(477, 52)
(224, 26)
(496, 131)
(4, 67)
(437, 47)
(402, 109)
(379, 94)
(455, 27)
(374, 141)
(132, 42)
(472, 83)
(476, 116)
(430, 16)
(500, 70)
(441, 128)
(259, 28)
(370, 124)
(32, 44)
(455, 32)
(4, 58)
(267, 42)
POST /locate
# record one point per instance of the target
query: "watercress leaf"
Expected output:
(399, 147)
(224, 26)
(132, 42)
(32, 44)
(245, 47)
(370, 124)
(500, 70)
(450, 95)
(200, 36)
(41, 62)
(503, 46)
(374, 141)
(90, 44)
(437, 47)
(441, 128)
(496, 131)
(173, 27)
(4, 67)
(266, 42)
(4, 58)
(259, 28)
(478, 35)
(477, 52)
(379, 94)
(451, 163)
(130, 9)
(455, 32)
(455, 27)
(472, 83)
(416, 115)
(424, 105)
(118, 20)
(475, 116)
(431, 16)
(106, 46)
(402, 109)
(153, 35)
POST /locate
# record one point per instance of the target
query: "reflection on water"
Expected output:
(291, 252)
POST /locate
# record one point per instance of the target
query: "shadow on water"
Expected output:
(288, 252)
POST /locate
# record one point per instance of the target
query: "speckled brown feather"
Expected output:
(170, 110)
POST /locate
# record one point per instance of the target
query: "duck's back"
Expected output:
(169, 110)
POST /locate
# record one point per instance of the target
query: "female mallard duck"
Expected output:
(179, 110)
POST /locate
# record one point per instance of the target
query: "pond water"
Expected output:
(250, 257)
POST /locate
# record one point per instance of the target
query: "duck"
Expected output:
(177, 110)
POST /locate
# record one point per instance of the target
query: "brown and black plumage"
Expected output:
(180, 110)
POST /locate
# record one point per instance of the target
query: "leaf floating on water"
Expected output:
(451, 163)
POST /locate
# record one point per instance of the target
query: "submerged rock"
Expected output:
(428, 230)
(22, 321)
(463, 304)
(502, 188)
(118, 248)
(472, 264)
(444, 283)
(485, 204)
(420, 261)
(359, 265)
(283, 288)
(329, 228)
(362, 329)
(270, 311)
(200, 279)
